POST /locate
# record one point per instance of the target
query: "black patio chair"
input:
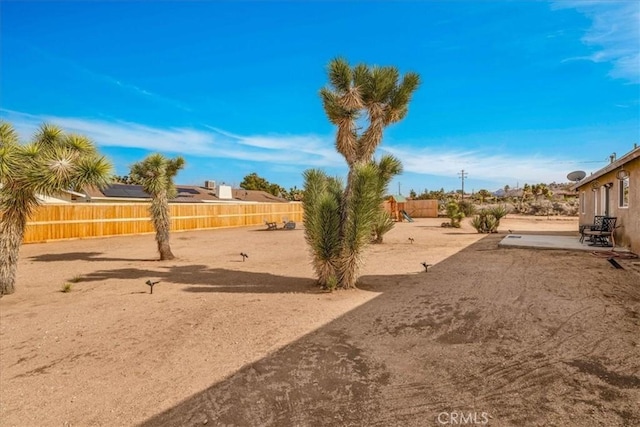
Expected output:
(288, 225)
(603, 236)
(597, 224)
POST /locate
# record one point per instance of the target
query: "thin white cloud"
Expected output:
(140, 91)
(299, 152)
(615, 33)
(311, 145)
(485, 166)
(310, 151)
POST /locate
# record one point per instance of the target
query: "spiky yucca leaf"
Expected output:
(151, 173)
(173, 166)
(48, 136)
(499, 212)
(51, 163)
(78, 143)
(340, 75)
(10, 152)
(388, 167)
(364, 205)
(8, 135)
(53, 170)
(362, 209)
(400, 98)
(381, 226)
(92, 170)
(314, 185)
(326, 245)
(321, 205)
(381, 85)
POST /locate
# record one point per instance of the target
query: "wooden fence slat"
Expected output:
(86, 220)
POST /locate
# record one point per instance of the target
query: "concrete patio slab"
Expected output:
(538, 241)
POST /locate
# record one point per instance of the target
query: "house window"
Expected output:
(623, 195)
(582, 202)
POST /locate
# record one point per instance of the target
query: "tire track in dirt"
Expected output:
(533, 345)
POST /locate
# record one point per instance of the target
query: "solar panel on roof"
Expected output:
(123, 190)
(187, 190)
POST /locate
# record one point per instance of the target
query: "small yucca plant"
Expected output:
(454, 214)
(383, 224)
(499, 212)
(485, 222)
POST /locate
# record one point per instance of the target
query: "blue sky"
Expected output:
(512, 91)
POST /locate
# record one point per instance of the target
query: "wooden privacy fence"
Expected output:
(422, 208)
(415, 208)
(78, 221)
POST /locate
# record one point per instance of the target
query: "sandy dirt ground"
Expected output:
(488, 336)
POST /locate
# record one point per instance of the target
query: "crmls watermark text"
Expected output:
(456, 418)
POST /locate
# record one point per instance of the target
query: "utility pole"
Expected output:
(399, 193)
(462, 175)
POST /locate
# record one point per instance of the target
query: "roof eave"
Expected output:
(632, 155)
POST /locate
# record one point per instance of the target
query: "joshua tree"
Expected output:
(454, 213)
(52, 162)
(156, 174)
(483, 195)
(339, 220)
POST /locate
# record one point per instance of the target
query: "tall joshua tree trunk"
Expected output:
(11, 235)
(162, 223)
(156, 173)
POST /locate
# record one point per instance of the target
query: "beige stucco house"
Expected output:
(615, 191)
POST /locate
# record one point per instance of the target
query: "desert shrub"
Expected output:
(66, 288)
(454, 214)
(499, 212)
(466, 207)
(487, 221)
(541, 207)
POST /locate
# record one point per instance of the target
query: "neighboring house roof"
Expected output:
(91, 191)
(63, 196)
(186, 194)
(50, 200)
(124, 190)
(631, 155)
(256, 196)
